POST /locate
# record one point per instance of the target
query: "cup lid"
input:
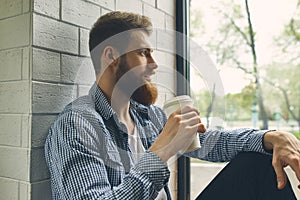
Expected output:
(175, 100)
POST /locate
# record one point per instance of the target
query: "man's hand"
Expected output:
(178, 133)
(286, 151)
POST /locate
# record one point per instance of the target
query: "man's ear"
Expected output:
(110, 59)
(110, 54)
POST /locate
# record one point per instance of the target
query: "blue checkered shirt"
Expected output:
(88, 155)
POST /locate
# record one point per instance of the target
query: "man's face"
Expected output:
(138, 66)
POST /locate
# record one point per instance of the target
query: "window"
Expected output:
(251, 53)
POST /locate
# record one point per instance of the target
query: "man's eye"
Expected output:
(144, 52)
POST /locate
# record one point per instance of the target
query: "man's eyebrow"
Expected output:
(146, 48)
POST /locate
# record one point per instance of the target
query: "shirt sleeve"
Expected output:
(223, 145)
(78, 171)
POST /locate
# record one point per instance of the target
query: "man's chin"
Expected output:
(146, 94)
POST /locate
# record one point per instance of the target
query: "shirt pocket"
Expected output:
(114, 168)
(112, 157)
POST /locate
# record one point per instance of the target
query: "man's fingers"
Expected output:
(280, 173)
(189, 113)
(194, 120)
(186, 109)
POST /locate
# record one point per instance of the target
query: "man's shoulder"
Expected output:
(79, 119)
(82, 104)
(83, 108)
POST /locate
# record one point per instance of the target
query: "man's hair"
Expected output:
(110, 25)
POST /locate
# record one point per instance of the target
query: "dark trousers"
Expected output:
(249, 176)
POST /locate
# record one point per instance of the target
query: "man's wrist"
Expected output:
(268, 140)
(163, 155)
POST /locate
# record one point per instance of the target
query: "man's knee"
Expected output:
(253, 159)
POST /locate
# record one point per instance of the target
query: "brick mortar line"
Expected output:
(9, 17)
(60, 20)
(54, 82)
(12, 48)
(60, 52)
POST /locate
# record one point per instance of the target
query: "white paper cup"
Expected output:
(175, 103)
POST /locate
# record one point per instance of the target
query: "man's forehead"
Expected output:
(140, 39)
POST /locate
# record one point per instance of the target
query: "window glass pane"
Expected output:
(254, 55)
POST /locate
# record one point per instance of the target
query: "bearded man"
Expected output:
(114, 143)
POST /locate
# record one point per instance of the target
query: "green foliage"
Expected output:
(297, 134)
(204, 98)
(238, 106)
(283, 77)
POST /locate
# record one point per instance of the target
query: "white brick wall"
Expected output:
(157, 16)
(46, 7)
(150, 2)
(15, 38)
(14, 97)
(76, 69)
(84, 42)
(15, 31)
(72, 12)
(39, 128)
(12, 58)
(10, 8)
(51, 98)
(16, 165)
(14, 64)
(9, 188)
(130, 6)
(170, 22)
(44, 64)
(10, 124)
(167, 6)
(53, 34)
(108, 4)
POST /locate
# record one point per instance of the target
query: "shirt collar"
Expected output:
(139, 107)
(101, 103)
(103, 107)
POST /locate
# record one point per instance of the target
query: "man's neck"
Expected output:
(120, 103)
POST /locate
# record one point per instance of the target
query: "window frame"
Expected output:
(182, 87)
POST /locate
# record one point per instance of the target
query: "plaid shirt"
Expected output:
(88, 155)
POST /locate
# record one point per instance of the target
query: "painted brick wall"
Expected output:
(15, 102)
(43, 50)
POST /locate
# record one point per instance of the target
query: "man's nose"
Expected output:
(152, 63)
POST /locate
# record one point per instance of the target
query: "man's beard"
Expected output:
(145, 94)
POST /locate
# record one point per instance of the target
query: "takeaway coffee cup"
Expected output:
(175, 103)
